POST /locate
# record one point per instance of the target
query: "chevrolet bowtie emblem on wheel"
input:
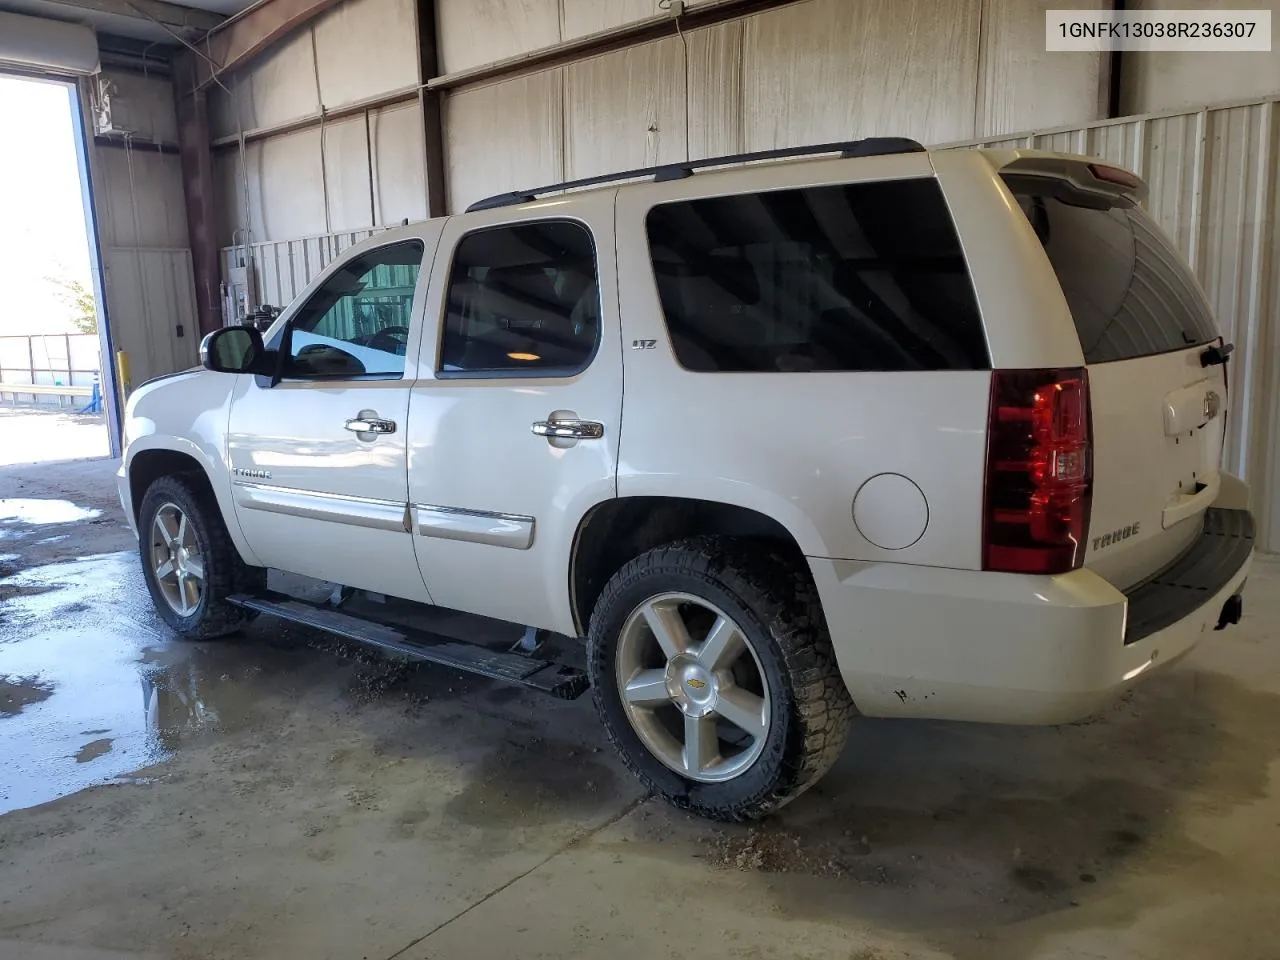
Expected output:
(695, 683)
(1212, 404)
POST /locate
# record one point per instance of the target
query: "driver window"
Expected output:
(357, 323)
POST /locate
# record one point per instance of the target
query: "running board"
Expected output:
(547, 676)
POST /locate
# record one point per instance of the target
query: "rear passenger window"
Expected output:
(853, 277)
(522, 301)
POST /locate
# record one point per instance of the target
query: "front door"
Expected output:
(515, 435)
(318, 460)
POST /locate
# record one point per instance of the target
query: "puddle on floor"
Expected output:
(22, 510)
(93, 750)
(17, 692)
(94, 687)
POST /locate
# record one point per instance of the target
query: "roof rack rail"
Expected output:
(870, 147)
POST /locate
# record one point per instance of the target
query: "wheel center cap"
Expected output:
(691, 685)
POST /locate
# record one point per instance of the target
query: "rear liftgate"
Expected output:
(557, 679)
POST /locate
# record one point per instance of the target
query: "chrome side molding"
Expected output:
(475, 526)
(311, 505)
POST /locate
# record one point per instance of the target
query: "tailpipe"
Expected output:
(1232, 610)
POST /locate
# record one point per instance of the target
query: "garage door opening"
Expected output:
(54, 346)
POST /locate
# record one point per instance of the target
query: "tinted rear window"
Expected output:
(1129, 290)
(853, 277)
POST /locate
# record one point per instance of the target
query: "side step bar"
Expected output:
(547, 676)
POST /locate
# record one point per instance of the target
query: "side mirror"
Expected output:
(234, 350)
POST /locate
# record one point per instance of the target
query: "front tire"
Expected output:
(189, 562)
(715, 677)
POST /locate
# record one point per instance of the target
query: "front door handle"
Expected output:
(364, 424)
(569, 429)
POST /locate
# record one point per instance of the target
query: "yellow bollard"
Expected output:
(122, 375)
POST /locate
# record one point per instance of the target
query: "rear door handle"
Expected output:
(371, 425)
(569, 429)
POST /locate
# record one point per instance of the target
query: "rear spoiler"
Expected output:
(1088, 175)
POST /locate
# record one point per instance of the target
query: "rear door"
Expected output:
(1158, 400)
(515, 417)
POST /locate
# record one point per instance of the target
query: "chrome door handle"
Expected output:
(370, 425)
(569, 429)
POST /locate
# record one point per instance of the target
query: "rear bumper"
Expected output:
(1011, 648)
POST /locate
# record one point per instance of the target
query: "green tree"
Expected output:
(79, 298)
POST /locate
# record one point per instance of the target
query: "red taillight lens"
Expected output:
(1039, 471)
(1124, 178)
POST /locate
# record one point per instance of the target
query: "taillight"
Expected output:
(1039, 471)
(1117, 175)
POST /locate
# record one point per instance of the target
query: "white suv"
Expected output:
(887, 432)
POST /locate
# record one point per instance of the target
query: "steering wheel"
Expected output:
(390, 340)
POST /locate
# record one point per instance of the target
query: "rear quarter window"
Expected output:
(866, 276)
(1130, 291)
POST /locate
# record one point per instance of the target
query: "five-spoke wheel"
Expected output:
(191, 566)
(692, 687)
(715, 676)
(176, 560)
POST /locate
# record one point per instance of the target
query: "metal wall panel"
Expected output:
(399, 168)
(843, 69)
(580, 18)
(142, 105)
(279, 87)
(1213, 176)
(715, 90)
(139, 198)
(348, 183)
(291, 200)
(295, 189)
(1182, 79)
(504, 136)
(884, 67)
(625, 109)
(285, 267)
(150, 295)
(472, 32)
(366, 48)
(1020, 84)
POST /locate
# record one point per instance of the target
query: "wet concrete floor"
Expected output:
(281, 795)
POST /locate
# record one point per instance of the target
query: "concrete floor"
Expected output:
(283, 796)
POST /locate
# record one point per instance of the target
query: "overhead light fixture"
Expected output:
(524, 356)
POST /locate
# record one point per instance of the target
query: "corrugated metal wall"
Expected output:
(1183, 79)
(363, 170)
(142, 225)
(809, 72)
(286, 266)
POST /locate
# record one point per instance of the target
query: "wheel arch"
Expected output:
(152, 457)
(616, 530)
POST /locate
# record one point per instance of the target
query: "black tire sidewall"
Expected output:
(163, 491)
(774, 770)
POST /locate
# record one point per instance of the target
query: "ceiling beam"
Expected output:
(249, 33)
(157, 11)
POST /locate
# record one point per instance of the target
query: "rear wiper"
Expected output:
(1216, 354)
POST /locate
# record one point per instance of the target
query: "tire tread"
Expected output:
(780, 591)
(226, 574)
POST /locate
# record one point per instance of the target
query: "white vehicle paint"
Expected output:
(878, 477)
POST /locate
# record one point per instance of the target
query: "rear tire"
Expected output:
(189, 562)
(751, 710)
